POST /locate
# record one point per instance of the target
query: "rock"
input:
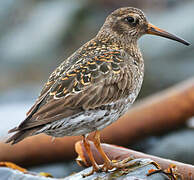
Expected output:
(7, 173)
(176, 146)
(58, 170)
(135, 173)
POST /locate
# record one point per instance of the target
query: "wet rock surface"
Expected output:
(177, 146)
(136, 173)
(7, 173)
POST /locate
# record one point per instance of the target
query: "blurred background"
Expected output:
(37, 35)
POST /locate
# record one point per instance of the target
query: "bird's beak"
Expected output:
(159, 32)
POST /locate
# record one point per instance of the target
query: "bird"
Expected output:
(94, 86)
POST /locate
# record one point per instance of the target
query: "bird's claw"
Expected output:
(118, 165)
(109, 165)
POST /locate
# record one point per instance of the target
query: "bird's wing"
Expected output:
(89, 83)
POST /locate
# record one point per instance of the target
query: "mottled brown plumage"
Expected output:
(95, 85)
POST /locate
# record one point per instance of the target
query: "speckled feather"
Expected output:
(89, 90)
(89, 83)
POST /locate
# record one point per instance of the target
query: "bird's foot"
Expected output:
(109, 165)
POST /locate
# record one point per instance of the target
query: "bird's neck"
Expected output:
(134, 51)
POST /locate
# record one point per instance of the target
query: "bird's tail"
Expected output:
(20, 135)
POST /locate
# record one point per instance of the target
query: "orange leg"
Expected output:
(96, 141)
(108, 164)
(89, 152)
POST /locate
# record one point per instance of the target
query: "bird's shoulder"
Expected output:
(90, 64)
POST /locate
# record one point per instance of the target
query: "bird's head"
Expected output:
(128, 24)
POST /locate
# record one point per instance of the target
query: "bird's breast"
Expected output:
(135, 74)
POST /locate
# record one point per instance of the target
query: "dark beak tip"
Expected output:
(187, 44)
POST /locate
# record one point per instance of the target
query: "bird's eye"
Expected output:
(131, 20)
